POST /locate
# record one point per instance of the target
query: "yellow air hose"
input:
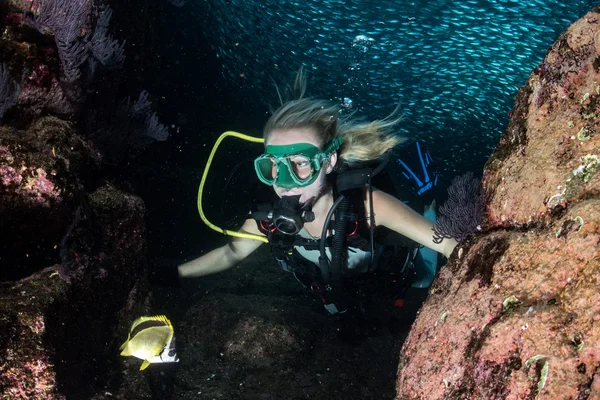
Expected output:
(203, 180)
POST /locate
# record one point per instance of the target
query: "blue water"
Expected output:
(454, 66)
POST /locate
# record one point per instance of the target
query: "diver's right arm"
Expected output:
(225, 257)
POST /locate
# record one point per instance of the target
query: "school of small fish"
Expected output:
(454, 66)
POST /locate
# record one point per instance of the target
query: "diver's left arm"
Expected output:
(394, 214)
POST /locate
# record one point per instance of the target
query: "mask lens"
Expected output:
(266, 168)
(301, 166)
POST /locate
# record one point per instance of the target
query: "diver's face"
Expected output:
(302, 135)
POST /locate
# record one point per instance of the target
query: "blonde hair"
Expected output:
(363, 141)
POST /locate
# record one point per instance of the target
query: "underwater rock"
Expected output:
(516, 312)
(34, 63)
(254, 333)
(21, 5)
(42, 174)
(548, 155)
(60, 328)
(26, 371)
(72, 247)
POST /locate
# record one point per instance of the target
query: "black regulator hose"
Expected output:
(323, 260)
(339, 257)
(333, 272)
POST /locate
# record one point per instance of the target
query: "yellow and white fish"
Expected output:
(151, 339)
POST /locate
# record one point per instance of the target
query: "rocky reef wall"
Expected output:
(72, 244)
(516, 312)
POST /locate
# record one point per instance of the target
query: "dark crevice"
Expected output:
(481, 264)
(586, 388)
(486, 378)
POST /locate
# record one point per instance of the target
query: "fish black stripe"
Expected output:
(146, 325)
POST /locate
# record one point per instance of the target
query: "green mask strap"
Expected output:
(336, 144)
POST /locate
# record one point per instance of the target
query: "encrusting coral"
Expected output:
(516, 312)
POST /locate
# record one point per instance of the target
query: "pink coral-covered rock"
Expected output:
(9, 176)
(38, 187)
(45, 344)
(26, 371)
(30, 183)
(549, 151)
(41, 172)
(516, 313)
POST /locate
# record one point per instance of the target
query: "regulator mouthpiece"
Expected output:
(288, 217)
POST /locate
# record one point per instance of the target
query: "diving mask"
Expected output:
(293, 165)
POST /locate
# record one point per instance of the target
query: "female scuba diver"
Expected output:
(312, 157)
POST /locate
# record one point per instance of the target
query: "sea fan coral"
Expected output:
(110, 52)
(130, 125)
(463, 212)
(65, 19)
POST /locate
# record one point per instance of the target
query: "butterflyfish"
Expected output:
(151, 339)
